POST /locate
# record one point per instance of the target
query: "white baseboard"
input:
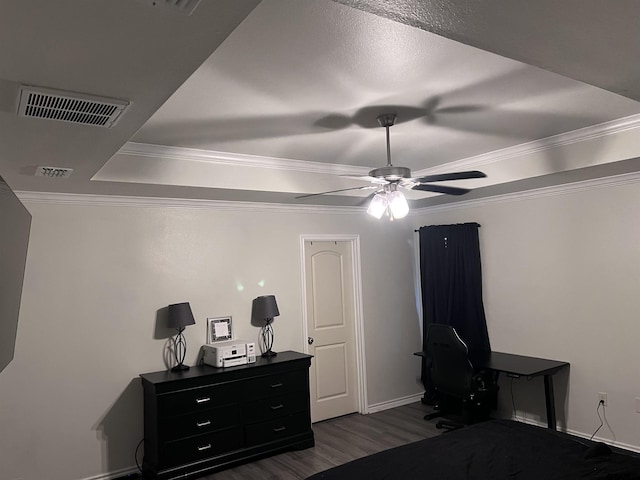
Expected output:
(398, 402)
(115, 474)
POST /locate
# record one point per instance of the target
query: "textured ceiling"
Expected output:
(588, 40)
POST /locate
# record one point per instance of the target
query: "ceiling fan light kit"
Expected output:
(398, 204)
(389, 200)
(378, 205)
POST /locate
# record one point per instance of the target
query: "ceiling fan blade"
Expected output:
(441, 189)
(450, 176)
(379, 181)
(368, 187)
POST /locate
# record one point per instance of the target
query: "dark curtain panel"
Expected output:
(451, 276)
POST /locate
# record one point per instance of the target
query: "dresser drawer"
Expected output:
(277, 429)
(274, 407)
(200, 422)
(197, 399)
(200, 447)
(277, 384)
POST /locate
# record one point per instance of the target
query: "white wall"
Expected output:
(71, 401)
(562, 280)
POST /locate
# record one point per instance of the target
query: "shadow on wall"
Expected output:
(561, 394)
(121, 429)
(163, 332)
(527, 397)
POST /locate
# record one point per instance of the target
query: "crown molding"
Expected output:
(151, 202)
(555, 141)
(224, 205)
(567, 188)
(236, 159)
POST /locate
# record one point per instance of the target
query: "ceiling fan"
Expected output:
(387, 179)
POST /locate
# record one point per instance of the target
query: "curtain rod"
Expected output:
(472, 223)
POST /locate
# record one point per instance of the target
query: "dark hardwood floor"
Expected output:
(338, 441)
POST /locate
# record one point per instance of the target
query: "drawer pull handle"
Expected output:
(280, 429)
(204, 447)
(203, 424)
(203, 400)
(276, 385)
(277, 407)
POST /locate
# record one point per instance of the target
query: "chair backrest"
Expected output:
(451, 370)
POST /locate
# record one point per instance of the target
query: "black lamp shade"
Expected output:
(265, 307)
(180, 316)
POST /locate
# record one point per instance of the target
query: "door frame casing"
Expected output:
(354, 241)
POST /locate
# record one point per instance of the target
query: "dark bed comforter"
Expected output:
(494, 450)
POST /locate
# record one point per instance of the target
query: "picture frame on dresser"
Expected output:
(219, 329)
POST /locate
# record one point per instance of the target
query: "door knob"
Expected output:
(309, 340)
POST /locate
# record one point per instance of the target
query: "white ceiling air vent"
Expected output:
(54, 172)
(69, 106)
(181, 6)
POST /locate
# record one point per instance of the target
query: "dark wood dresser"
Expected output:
(206, 419)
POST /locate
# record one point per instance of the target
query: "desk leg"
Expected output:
(551, 405)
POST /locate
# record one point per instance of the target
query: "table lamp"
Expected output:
(180, 316)
(266, 308)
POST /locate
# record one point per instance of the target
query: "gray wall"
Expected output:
(71, 402)
(562, 280)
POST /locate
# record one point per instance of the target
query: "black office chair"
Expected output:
(459, 387)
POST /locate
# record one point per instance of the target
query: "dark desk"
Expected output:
(528, 367)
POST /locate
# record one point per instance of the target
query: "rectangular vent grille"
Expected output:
(53, 172)
(69, 107)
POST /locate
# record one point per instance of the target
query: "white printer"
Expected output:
(229, 353)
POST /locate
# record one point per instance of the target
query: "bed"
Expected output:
(493, 450)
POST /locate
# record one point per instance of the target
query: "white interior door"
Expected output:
(330, 314)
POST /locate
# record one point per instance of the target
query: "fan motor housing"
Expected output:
(391, 173)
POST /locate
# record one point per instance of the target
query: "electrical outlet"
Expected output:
(602, 397)
(637, 404)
